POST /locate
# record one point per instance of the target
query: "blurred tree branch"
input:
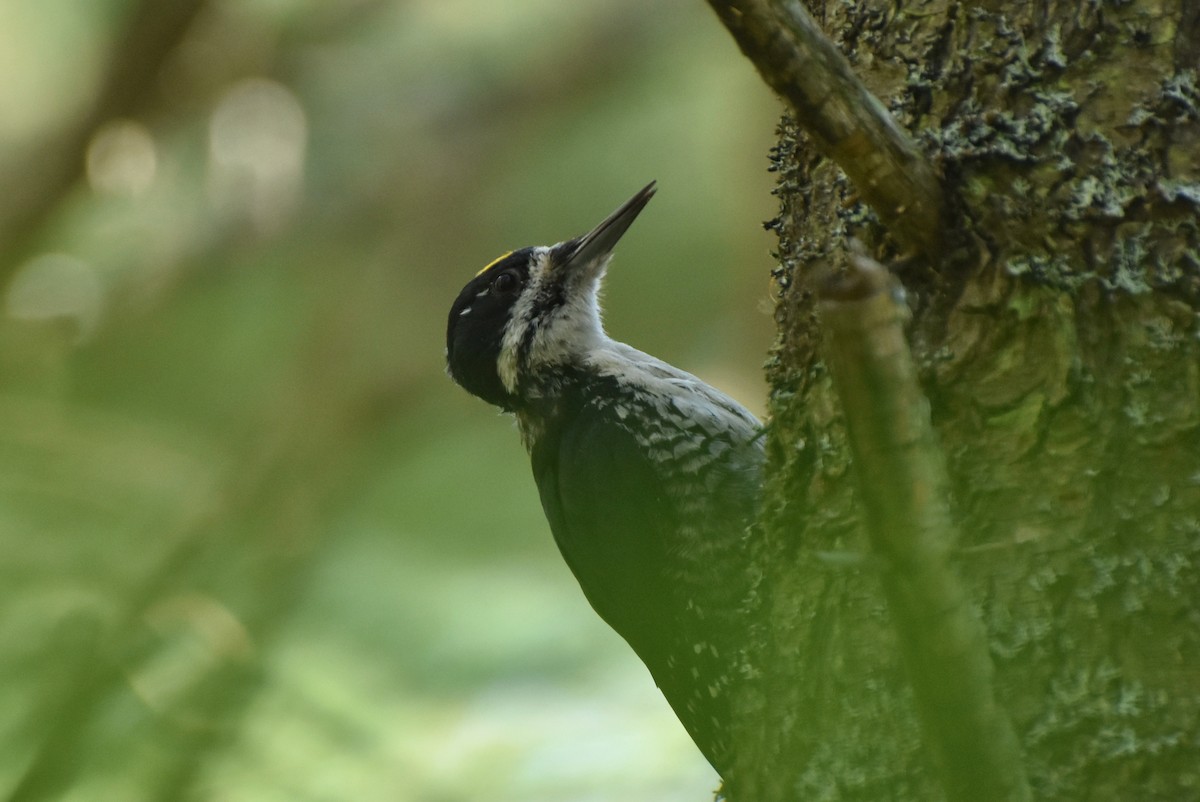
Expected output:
(846, 122)
(250, 554)
(905, 492)
(37, 179)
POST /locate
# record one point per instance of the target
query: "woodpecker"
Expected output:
(648, 476)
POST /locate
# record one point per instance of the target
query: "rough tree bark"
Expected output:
(1055, 333)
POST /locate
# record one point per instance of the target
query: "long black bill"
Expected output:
(600, 241)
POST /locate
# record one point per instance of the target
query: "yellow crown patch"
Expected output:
(493, 263)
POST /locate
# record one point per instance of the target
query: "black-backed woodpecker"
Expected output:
(647, 475)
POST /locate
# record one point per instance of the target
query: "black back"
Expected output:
(646, 547)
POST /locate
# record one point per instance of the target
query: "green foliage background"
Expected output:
(257, 546)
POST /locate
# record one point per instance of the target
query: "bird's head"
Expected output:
(531, 310)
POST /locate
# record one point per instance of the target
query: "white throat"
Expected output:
(567, 331)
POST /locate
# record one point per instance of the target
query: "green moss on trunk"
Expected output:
(1060, 348)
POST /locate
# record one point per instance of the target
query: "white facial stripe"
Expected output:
(520, 319)
(570, 330)
(506, 364)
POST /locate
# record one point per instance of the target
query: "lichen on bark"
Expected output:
(1058, 341)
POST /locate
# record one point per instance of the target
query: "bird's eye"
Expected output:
(506, 282)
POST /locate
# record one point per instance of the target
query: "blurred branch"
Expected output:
(37, 180)
(846, 122)
(250, 553)
(903, 486)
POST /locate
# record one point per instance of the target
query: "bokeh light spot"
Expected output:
(258, 137)
(57, 285)
(122, 159)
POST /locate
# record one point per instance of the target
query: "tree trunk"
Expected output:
(1055, 334)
